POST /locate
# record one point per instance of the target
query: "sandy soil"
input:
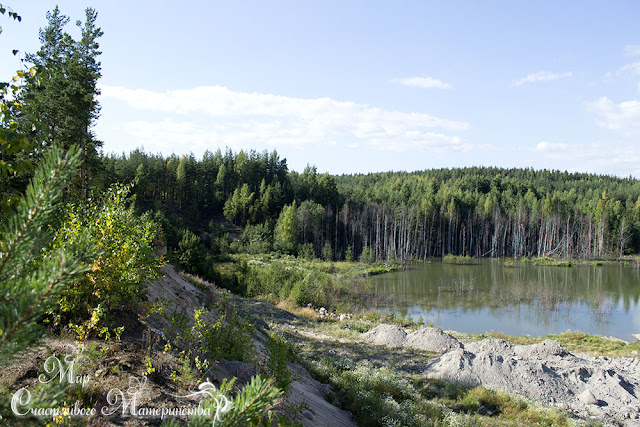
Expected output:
(602, 388)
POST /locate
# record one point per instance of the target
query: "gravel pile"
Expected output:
(605, 388)
(549, 374)
(389, 335)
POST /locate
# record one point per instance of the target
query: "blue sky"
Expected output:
(362, 86)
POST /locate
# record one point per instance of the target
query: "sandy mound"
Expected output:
(389, 335)
(548, 374)
(428, 339)
(432, 339)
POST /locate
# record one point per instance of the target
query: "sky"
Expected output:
(365, 86)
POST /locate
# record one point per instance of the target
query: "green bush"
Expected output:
(367, 256)
(317, 288)
(509, 262)
(190, 252)
(327, 252)
(458, 259)
(256, 239)
(126, 263)
(348, 254)
(219, 333)
(280, 354)
(307, 252)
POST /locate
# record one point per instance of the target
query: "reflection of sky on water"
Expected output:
(516, 320)
(598, 301)
(636, 320)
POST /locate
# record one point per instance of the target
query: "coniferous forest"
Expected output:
(401, 215)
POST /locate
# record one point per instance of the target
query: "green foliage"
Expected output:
(219, 333)
(348, 254)
(367, 256)
(61, 97)
(317, 288)
(416, 215)
(247, 409)
(16, 147)
(307, 252)
(84, 329)
(327, 252)
(286, 231)
(552, 262)
(458, 259)
(190, 252)
(384, 397)
(256, 239)
(30, 279)
(279, 355)
(377, 397)
(118, 275)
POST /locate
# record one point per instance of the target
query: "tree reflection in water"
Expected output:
(595, 299)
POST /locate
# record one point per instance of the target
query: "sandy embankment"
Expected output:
(547, 373)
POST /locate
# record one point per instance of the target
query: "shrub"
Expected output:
(327, 252)
(190, 253)
(317, 288)
(509, 262)
(307, 252)
(348, 254)
(280, 354)
(367, 256)
(458, 259)
(125, 264)
(256, 239)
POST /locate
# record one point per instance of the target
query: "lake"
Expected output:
(522, 300)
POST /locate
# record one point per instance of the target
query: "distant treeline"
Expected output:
(397, 215)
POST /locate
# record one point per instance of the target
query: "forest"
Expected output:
(476, 211)
(83, 234)
(479, 211)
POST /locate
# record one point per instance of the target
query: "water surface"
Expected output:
(528, 299)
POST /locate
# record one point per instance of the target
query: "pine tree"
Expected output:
(31, 276)
(62, 95)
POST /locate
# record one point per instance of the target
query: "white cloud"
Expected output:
(541, 76)
(422, 82)
(634, 68)
(545, 146)
(614, 158)
(623, 117)
(220, 116)
(632, 50)
(419, 141)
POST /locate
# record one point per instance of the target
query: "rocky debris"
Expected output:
(604, 388)
(434, 340)
(389, 335)
(587, 397)
(430, 339)
(323, 313)
(547, 373)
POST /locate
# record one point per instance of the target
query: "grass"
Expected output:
(381, 396)
(552, 262)
(575, 342)
(385, 386)
(337, 268)
(459, 260)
